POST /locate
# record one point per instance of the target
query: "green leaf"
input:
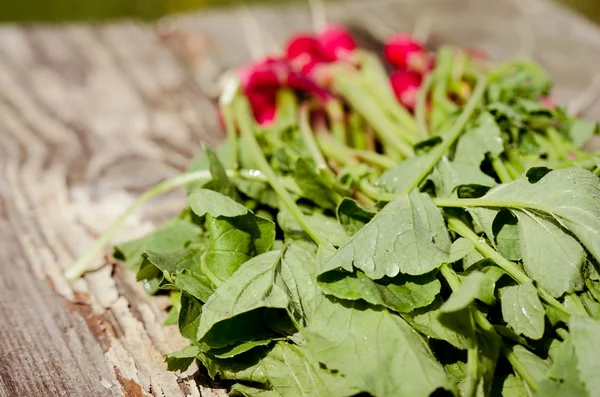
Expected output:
(460, 248)
(520, 79)
(340, 330)
(259, 191)
(220, 181)
(326, 226)
(189, 316)
(172, 262)
(485, 138)
(284, 371)
(202, 163)
(457, 371)
(352, 215)
(313, 186)
(591, 305)
(483, 219)
(584, 336)
(475, 285)
(457, 314)
(181, 359)
(514, 387)
(488, 344)
(173, 236)
(500, 227)
(197, 285)
(246, 391)
(563, 378)
(536, 366)
(401, 294)
(297, 276)
(427, 321)
(234, 350)
(158, 270)
(506, 232)
(173, 314)
(250, 288)
(215, 204)
(570, 195)
(523, 310)
(447, 176)
(550, 256)
(235, 240)
(408, 236)
(397, 180)
(581, 131)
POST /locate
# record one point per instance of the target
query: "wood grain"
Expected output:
(90, 116)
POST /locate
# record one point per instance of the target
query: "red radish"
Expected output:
(268, 73)
(406, 87)
(307, 85)
(302, 44)
(477, 54)
(547, 101)
(262, 99)
(337, 42)
(266, 116)
(305, 52)
(403, 51)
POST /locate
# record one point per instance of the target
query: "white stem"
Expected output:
(252, 33)
(423, 27)
(82, 263)
(377, 28)
(318, 14)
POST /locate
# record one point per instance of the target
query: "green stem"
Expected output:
(443, 72)
(501, 170)
(375, 159)
(558, 143)
(358, 136)
(388, 131)
(334, 150)
(374, 192)
(309, 136)
(472, 370)
(81, 265)
(512, 170)
(591, 159)
(287, 110)
(335, 111)
(231, 136)
(450, 276)
(454, 283)
(345, 155)
(520, 368)
(515, 162)
(509, 267)
(594, 291)
(452, 135)
(379, 85)
(225, 105)
(546, 144)
(246, 124)
(482, 202)
(421, 107)
(579, 304)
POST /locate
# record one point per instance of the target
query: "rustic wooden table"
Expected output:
(90, 116)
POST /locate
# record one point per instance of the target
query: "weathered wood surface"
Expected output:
(91, 116)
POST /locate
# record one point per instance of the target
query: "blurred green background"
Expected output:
(72, 10)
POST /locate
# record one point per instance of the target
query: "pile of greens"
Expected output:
(465, 263)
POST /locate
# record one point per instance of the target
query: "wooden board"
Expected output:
(90, 116)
